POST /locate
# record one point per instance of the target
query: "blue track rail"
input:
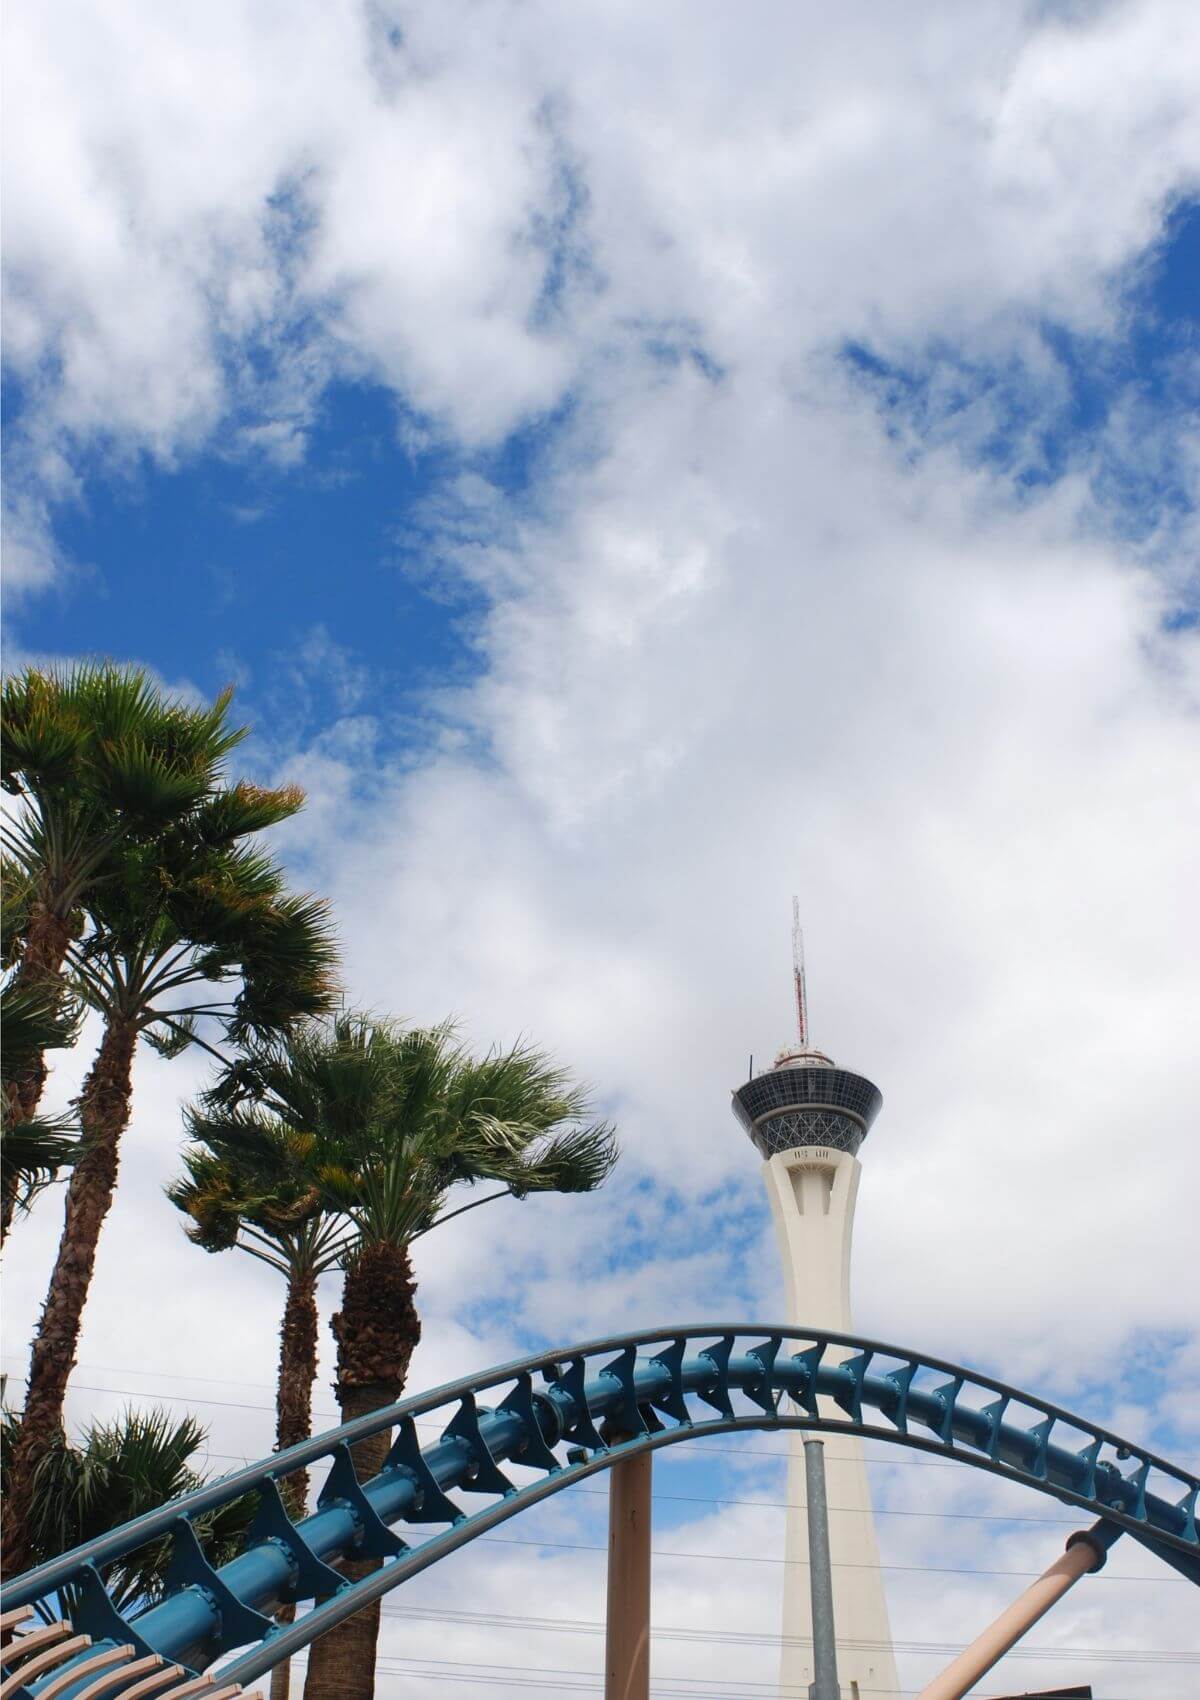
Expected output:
(569, 1415)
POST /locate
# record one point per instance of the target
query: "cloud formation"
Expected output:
(750, 627)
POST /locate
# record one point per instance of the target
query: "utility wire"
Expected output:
(585, 1681)
(747, 1638)
(802, 1564)
(450, 1670)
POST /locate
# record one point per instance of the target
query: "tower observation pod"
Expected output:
(808, 1118)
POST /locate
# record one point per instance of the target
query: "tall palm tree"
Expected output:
(250, 1188)
(397, 1119)
(97, 755)
(117, 1471)
(255, 1193)
(195, 913)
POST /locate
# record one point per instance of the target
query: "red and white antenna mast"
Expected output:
(798, 971)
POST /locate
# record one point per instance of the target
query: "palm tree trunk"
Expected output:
(293, 1415)
(45, 950)
(377, 1330)
(104, 1115)
(8, 1186)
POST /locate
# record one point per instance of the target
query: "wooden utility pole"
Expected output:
(627, 1645)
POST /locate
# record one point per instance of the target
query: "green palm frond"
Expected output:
(144, 785)
(231, 814)
(177, 1034)
(43, 737)
(392, 1119)
(180, 914)
(17, 897)
(211, 1203)
(289, 965)
(578, 1159)
(34, 1017)
(100, 746)
(248, 1182)
(116, 1471)
(32, 1153)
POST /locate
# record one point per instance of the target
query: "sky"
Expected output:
(636, 464)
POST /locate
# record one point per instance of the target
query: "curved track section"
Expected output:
(560, 1418)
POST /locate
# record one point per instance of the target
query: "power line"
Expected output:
(733, 1637)
(801, 1564)
(590, 1681)
(456, 1670)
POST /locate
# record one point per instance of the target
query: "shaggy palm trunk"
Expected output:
(293, 1416)
(45, 949)
(103, 1116)
(8, 1186)
(377, 1330)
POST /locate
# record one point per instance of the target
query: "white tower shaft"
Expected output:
(812, 1192)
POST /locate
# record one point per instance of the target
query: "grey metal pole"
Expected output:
(820, 1572)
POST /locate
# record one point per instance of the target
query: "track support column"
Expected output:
(820, 1575)
(1086, 1551)
(627, 1648)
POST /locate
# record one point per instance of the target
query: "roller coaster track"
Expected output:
(562, 1417)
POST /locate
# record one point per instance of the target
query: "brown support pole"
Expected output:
(627, 1646)
(1085, 1552)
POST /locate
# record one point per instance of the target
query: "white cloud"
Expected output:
(739, 642)
(474, 204)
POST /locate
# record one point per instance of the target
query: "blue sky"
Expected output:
(218, 566)
(635, 468)
(219, 570)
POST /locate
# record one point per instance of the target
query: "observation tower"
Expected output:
(807, 1117)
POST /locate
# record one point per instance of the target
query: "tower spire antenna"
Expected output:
(798, 972)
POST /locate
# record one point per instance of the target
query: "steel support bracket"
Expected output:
(717, 1355)
(572, 1383)
(627, 1420)
(237, 1622)
(946, 1395)
(849, 1399)
(406, 1459)
(808, 1362)
(312, 1578)
(343, 1488)
(901, 1380)
(519, 1402)
(487, 1477)
(673, 1401)
(92, 1612)
(761, 1392)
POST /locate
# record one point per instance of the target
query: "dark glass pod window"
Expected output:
(804, 1088)
(808, 1127)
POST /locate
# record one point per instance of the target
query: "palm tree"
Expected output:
(394, 1119)
(97, 755)
(194, 913)
(118, 1471)
(256, 1194)
(249, 1188)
